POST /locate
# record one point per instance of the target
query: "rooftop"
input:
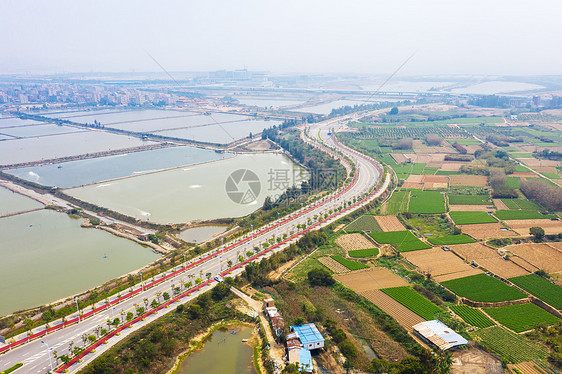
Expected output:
(308, 333)
(439, 334)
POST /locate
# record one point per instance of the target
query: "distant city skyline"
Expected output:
(363, 37)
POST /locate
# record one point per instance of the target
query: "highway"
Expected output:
(224, 261)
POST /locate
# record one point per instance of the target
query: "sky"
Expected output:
(489, 37)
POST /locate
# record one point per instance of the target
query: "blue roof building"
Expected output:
(309, 336)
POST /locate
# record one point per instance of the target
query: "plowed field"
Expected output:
(333, 265)
(404, 316)
(542, 256)
(351, 242)
(371, 279)
(486, 230)
(438, 262)
(389, 223)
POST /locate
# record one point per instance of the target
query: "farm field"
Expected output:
(451, 239)
(442, 265)
(403, 241)
(389, 223)
(521, 214)
(521, 317)
(349, 264)
(364, 253)
(468, 180)
(333, 265)
(506, 343)
(370, 279)
(541, 288)
(413, 301)
(487, 230)
(469, 218)
(398, 203)
(481, 287)
(351, 242)
(470, 208)
(522, 226)
(428, 202)
(404, 316)
(474, 251)
(521, 204)
(503, 268)
(540, 255)
(469, 199)
(472, 316)
(364, 223)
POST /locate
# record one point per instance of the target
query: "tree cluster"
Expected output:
(541, 192)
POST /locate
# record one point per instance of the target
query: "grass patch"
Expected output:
(481, 287)
(451, 239)
(520, 155)
(469, 199)
(469, 218)
(413, 301)
(12, 368)
(541, 288)
(521, 204)
(409, 168)
(359, 253)
(434, 225)
(514, 347)
(472, 316)
(350, 264)
(364, 223)
(521, 317)
(521, 214)
(551, 175)
(403, 241)
(513, 182)
(428, 202)
(398, 203)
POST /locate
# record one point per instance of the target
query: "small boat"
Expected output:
(244, 340)
(59, 167)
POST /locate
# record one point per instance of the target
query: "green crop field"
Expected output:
(516, 348)
(413, 301)
(364, 223)
(521, 317)
(447, 172)
(468, 218)
(521, 204)
(481, 287)
(350, 264)
(451, 239)
(429, 202)
(513, 182)
(472, 316)
(521, 214)
(403, 241)
(520, 155)
(541, 288)
(551, 175)
(469, 200)
(409, 168)
(398, 203)
(358, 253)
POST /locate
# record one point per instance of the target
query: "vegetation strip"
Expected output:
(541, 288)
(413, 301)
(481, 287)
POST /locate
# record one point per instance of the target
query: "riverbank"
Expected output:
(198, 342)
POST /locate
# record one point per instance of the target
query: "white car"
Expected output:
(218, 278)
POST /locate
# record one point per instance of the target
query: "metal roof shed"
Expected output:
(439, 334)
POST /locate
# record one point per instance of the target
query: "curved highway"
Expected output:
(230, 259)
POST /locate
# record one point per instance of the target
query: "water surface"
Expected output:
(46, 256)
(11, 202)
(201, 234)
(223, 353)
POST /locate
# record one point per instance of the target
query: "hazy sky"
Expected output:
(371, 36)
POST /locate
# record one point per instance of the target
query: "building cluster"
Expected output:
(70, 93)
(301, 340)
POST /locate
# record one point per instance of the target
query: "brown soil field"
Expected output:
(522, 226)
(500, 204)
(437, 262)
(370, 279)
(458, 274)
(435, 179)
(339, 227)
(486, 230)
(351, 242)
(556, 245)
(528, 174)
(528, 367)
(398, 157)
(414, 178)
(501, 267)
(451, 166)
(389, 223)
(333, 265)
(469, 208)
(404, 316)
(434, 164)
(474, 251)
(412, 185)
(468, 180)
(546, 169)
(535, 162)
(429, 186)
(427, 158)
(524, 264)
(421, 148)
(472, 148)
(542, 256)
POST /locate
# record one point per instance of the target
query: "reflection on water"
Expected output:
(195, 192)
(201, 234)
(223, 353)
(46, 255)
